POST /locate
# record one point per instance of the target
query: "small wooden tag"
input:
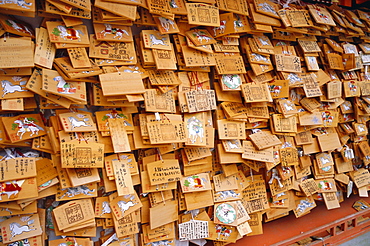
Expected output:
(77, 122)
(203, 14)
(31, 221)
(264, 140)
(122, 83)
(251, 153)
(15, 104)
(123, 178)
(73, 213)
(79, 57)
(119, 136)
(124, 205)
(309, 187)
(165, 171)
(256, 92)
(166, 132)
(231, 129)
(82, 155)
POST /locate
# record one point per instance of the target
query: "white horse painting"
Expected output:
(117, 32)
(124, 206)
(288, 107)
(233, 144)
(20, 3)
(8, 86)
(195, 128)
(156, 41)
(17, 229)
(27, 126)
(19, 27)
(220, 28)
(201, 36)
(303, 205)
(79, 190)
(69, 33)
(346, 107)
(227, 194)
(166, 23)
(324, 160)
(77, 123)
(105, 208)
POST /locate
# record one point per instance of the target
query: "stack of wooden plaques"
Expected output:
(151, 122)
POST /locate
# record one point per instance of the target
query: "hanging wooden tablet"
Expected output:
(16, 52)
(124, 83)
(251, 153)
(31, 222)
(164, 171)
(77, 122)
(59, 33)
(166, 26)
(75, 12)
(311, 87)
(321, 15)
(164, 59)
(299, 18)
(82, 4)
(351, 88)
(14, 169)
(230, 64)
(231, 129)
(361, 177)
(195, 183)
(303, 206)
(124, 205)
(155, 40)
(117, 128)
(234, 6)
(45, 51)
(54, 83)
(223, 233)
(195, 129)
(123, 178)
(159, 102)
(73, 213)
(15, 26)
(264, 140)
(13, 87)
(230, 215)
(163, 213)
(193, 229)
(256, 92)
(267, 8)
(203, 14)
(200, 100)
(79, 57)
(24, 127)
(82, 155)
(335, 61)
(120, 9)
(279, 88)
